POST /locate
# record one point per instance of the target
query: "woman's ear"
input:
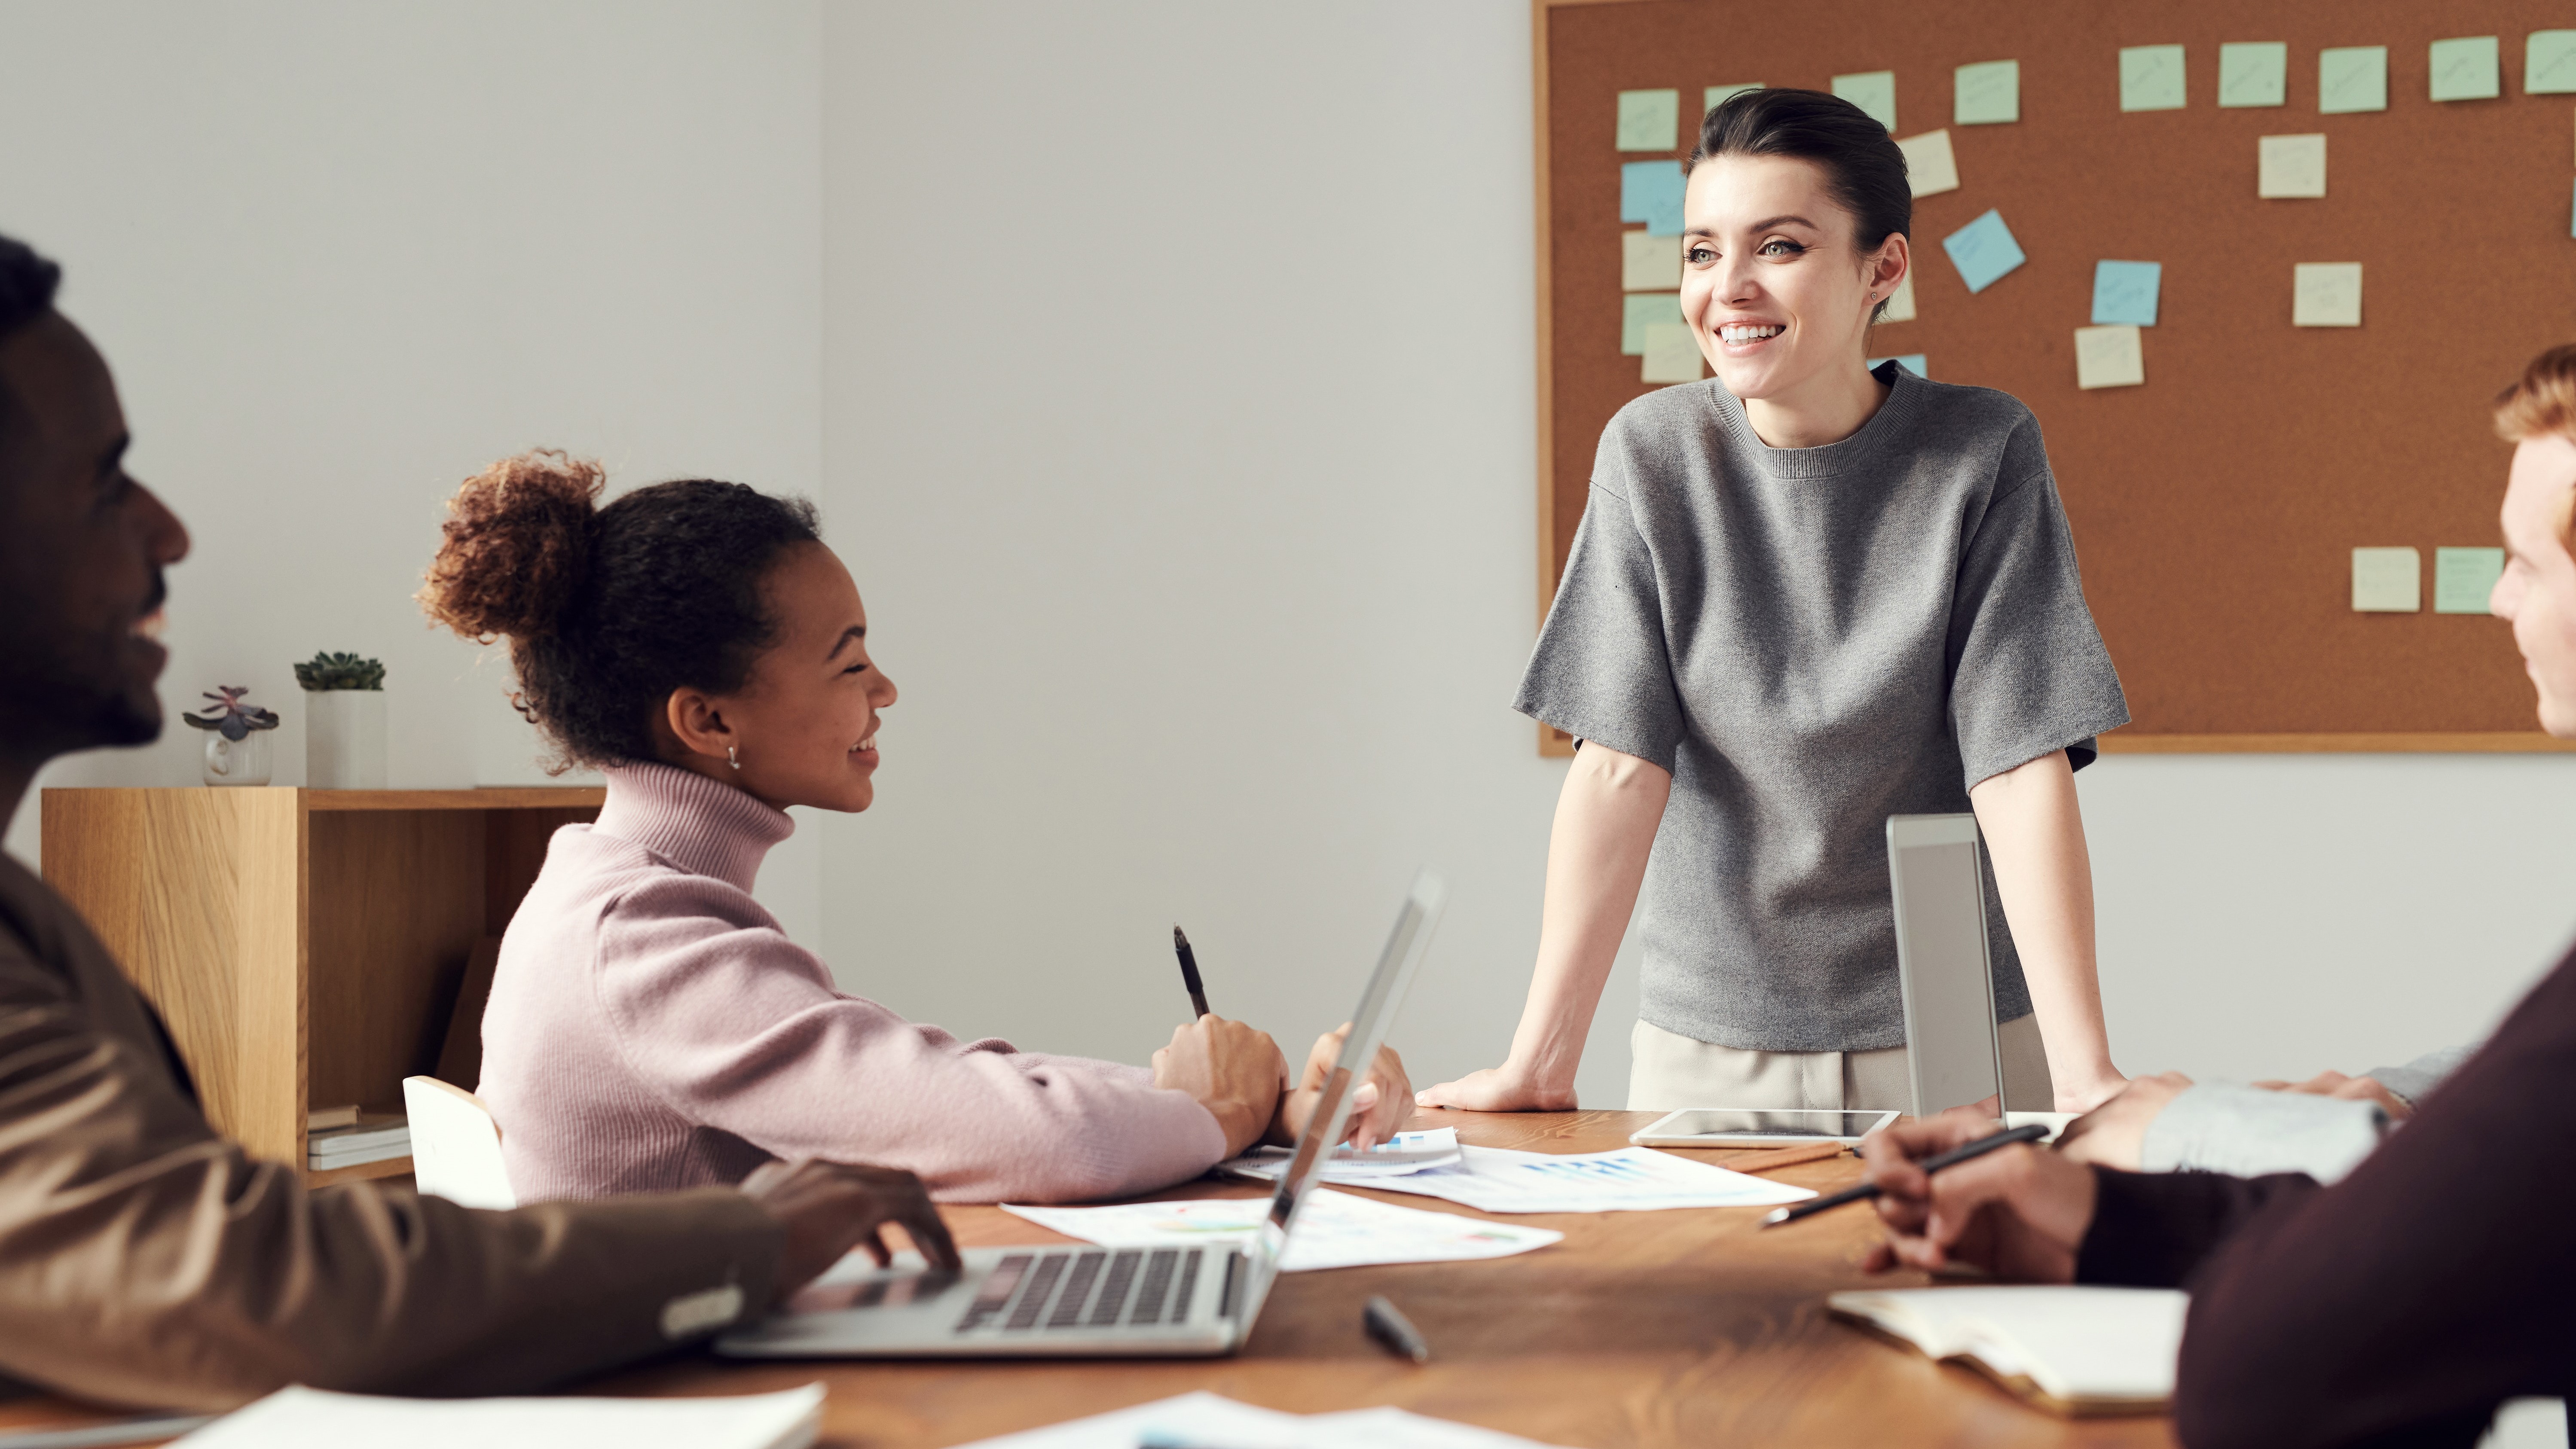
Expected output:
(1890, 264)
(698, 724)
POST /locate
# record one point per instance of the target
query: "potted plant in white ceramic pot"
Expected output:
(344, 729)
(237, 737)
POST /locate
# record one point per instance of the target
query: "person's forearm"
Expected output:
(2035, 838)
(1596, 862)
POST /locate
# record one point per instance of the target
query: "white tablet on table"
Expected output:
(1743, 1127)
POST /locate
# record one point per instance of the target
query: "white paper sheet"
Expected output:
(1205, 1418)
(1335, 1230)
(1405, 1152)
(1632, 1179)
(301, 1418)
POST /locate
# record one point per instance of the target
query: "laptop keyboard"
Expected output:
(1079, 1288)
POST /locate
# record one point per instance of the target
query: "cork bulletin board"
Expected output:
(2216, 506)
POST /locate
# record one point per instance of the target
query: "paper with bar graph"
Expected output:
(1632, 1179)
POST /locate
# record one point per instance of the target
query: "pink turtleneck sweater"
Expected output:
(651, 1027)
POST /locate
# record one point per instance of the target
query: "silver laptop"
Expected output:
(1079, 1302)
(1942, 961)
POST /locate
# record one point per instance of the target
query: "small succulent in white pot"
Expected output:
(344, 734)
(236, 737)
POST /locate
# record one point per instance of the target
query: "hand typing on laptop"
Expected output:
(828, 1208)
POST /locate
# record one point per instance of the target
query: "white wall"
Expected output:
(1165, 373)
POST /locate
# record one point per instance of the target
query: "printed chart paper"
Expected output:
(1204, 1418)
(1334, 1230)
(1632, 1179)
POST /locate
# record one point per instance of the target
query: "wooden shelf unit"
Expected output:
(305, 946)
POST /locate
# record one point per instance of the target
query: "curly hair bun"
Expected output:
(517, 544)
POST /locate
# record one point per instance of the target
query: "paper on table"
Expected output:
(1205, 1418)
(2126, 292)
(1930, 166)
(1672, 354)
(1911, 361)
(2254, 73)
(2466, 69)
(302, 1418)
(1874, 91)
(1632, 1179)
(1649, 120)
(2549, 63)
(1983, 251)
(1986, 94)
(1403, 1153)
(1649, 263)
(1651, 192)
(2325, 294)
(1900, 303)
(2464, 577)
(2387, 581)
(2352, 78)
(2151, 78)
(1716, 96)
(2109, 357)
(1641, 310)
(1334, 1230)
(2290, 166)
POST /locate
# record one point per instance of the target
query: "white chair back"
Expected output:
(455, 1145)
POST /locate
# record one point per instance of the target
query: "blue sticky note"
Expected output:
(1983, 251)
(2126, 292)
(1651, 192)
(1911, 361)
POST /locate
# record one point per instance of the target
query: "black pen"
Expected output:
(1190, 973)
(1867, 1190)
(1389, 1326)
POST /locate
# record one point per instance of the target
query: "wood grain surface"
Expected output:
(2216, 507)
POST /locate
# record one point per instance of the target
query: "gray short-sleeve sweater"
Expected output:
(1812, 640)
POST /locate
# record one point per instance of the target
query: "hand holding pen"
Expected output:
(1379, 1107)
(2020, 1212)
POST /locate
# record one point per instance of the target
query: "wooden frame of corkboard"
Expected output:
(2214, 507)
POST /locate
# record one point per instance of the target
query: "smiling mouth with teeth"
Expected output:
(1739, 333)
(869, 743)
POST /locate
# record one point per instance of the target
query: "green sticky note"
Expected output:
(1874, 91)
(2466, 69)
(2151, 78)
(1986, 94)
(2352, 78)
(2463, 577)
(2254, 73)
(1649, 120)
(1716, 96)
(2549, 63)
(1644, 310)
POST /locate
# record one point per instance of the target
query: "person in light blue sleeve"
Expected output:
(2323, 1126)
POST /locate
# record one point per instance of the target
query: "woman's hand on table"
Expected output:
(2085, 1091)
(2348, 1089)
(2115, 1133)
(1507, 1088)
(1379, 1104)
(828, 1208)
(2018, 1212)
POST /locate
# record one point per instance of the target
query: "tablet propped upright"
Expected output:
(1943, 964)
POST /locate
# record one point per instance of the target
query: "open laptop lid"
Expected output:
(1405, 947)
(1944, 962)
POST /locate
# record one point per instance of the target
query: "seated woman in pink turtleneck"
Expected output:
(650, 1026)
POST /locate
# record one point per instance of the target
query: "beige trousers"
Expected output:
(1668, 1072)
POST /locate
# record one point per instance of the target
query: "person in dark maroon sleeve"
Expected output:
(2404, 1304)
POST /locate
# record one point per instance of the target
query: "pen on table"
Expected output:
(1867, 1190)
(1190, 973)
(148, 1430)
(1388, 1325)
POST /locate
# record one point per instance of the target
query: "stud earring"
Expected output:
(733, 757)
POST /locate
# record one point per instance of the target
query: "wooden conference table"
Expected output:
(1646, 1328)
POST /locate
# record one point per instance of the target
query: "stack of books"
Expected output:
(357, 1137)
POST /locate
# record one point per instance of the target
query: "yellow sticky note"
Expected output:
(1649, 120)
(2291, 166)
(2325, 294)
(1672, 354)
(1900, 303)
(1930, 166)
(1649, 263)
(2387, 581)
(2109, 357)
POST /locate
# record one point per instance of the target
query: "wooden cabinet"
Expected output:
(305, 946)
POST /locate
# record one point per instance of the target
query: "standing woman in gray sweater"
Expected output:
(1806, 596)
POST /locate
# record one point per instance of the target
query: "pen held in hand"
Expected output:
(1190, 973)
(1867, 1190)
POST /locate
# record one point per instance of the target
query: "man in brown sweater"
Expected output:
(143, 1259)
(2405, 1303)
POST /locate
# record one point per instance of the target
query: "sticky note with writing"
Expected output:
(2387, 581)
(2549, 63)
(2254, 73)
(2352, 78)
(1930, 166)
(2325, 294)
(2125, 292)
(2290, 166)
(2466, 69)
(1651, 192)
(1983, 251)
(2109, 357)
(1649, 120)
(1874, 91)
(2464, 577)
(1649, 263)
(1672, 354)
(2151, 78)
(1986, 94)
(1641, 310)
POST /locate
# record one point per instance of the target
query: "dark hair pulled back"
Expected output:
(609, 609)
(1863, 165)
